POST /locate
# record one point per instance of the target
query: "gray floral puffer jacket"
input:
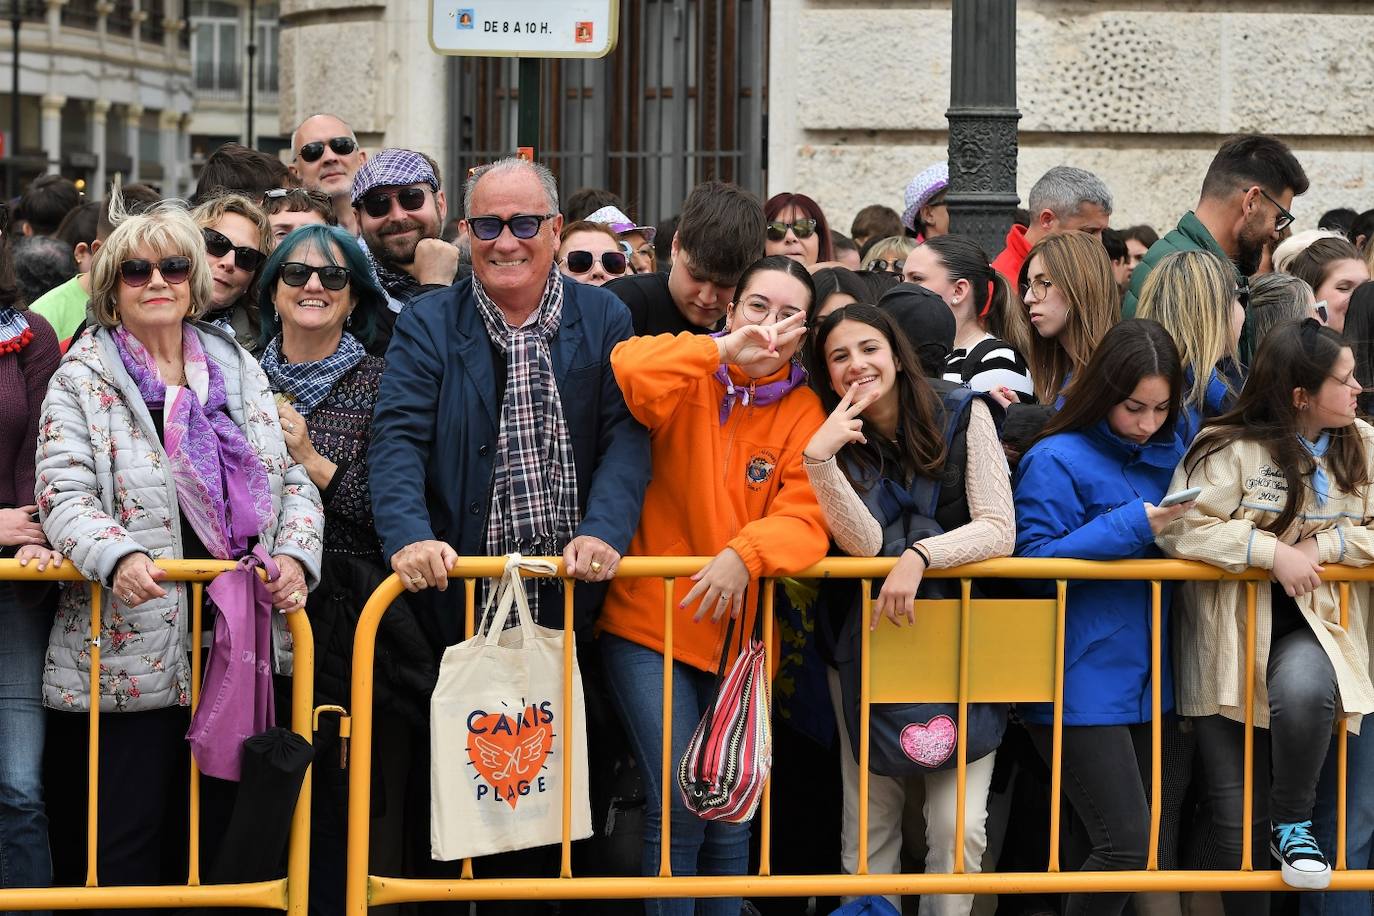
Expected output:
(105, 491)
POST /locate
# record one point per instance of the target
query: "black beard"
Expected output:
(1248, 257)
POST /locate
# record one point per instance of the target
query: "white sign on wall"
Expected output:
(524, 28)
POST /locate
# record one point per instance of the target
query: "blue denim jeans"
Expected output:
(1359, 826)
(699, 847)
(24, 857)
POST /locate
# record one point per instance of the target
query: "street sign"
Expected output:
(524, 28)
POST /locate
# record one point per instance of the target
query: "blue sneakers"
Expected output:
(1303, 862)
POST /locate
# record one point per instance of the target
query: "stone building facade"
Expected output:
(1139, 91)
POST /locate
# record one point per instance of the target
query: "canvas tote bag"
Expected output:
(498, 733)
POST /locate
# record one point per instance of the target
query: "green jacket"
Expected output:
(1190, 235)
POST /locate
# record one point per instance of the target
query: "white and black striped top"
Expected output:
(990, 363)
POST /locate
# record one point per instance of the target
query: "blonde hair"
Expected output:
(165, 228)
(892, 248)
(1296, 244)
(1191, 293)
(1078, 266)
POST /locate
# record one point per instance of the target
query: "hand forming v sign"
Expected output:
(751, 342)
(843, 426)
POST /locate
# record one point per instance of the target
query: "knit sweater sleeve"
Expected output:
(852, 526)
(40, 360)
(991, 531)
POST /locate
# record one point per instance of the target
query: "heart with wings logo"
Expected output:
(508, 752)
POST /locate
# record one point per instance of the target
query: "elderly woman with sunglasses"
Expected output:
(591, 253)
(159, 440)
(325, 324)
(237, 237)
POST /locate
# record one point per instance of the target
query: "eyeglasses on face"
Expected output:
(378, 203)
(1039, 289)
(522, 225)
(802, 229)
(1284, 219)
(340, 145)
(296, 273)
(137, 272)
(580, 262)
(884, 264)
(217, 245)
(756, 311)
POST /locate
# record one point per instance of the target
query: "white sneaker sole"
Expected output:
(1308, 880)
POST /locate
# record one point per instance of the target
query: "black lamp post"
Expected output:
(11, 176)
(251, 140)
(982, 121)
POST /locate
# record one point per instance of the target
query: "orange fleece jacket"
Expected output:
(738, 485)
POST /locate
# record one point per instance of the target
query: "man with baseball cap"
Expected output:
(639, 238)
(400, 208)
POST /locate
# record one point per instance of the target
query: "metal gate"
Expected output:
(680, 100)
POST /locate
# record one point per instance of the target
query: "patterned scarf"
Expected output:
(534, 497)
(222, 486)
(1321, 484)
(307, 384)
(397, 283)
(14, 330)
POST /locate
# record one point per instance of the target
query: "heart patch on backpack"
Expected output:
(930, 744)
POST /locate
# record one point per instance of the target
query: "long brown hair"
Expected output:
(921, 437)
(1292, 355)
(1078, 266)
(1132, 350)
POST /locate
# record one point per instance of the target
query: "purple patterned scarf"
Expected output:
(222, 486)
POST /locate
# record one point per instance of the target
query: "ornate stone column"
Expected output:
(52, 131)
(982, 121)
(168, 123)
(133, 124)
(100, 113)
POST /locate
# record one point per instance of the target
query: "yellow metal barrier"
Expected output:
(1019, 657)
(289, 893)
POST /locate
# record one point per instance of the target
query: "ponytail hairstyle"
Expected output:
(1132, 350)
(921, 438)
(1078, 266)
(1293, 355)
(994, 307)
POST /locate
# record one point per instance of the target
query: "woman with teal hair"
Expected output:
(325, 324)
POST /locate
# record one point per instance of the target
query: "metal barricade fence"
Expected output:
(961, 650)
(289, 893)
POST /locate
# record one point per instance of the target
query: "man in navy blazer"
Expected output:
(456, 421)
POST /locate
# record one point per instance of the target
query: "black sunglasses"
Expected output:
(217, 245)
(137, 272)
(378, 203)
(883, 264)
(300, 194)
(341, 145)
(522, 225)
(802, 229)
(579, 262)
(1284, 219)
(294, 273)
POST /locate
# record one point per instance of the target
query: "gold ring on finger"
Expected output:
(596, 566)
(296, 597)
